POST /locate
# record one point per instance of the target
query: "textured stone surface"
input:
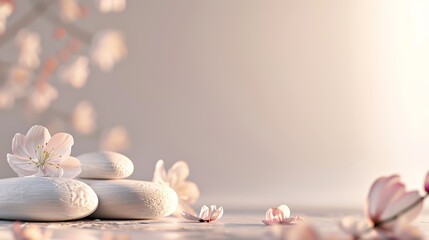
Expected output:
(132, 199)
(105, 165)
(45, 199)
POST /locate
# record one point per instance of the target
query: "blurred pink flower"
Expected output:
(29, 48)
(76, 73)
(108, 48)
(30, 232)
(427, 183)
(39, 154)
(106, 6)
(7, 98)
(83, 118)
(206, 214)
(115, 139)
(6, 9)
(280, 215)
(19, 80)
(69, 10)
(41, 96)
(387, 198)
(175, 178)
(353, 227)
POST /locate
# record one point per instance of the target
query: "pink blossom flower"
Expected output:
(353, 227)
(29, 48)
(106, 6)
(41, 97)
(6, 9)
(427, 183)
(69, 10)
(30, 232)
(280, 215)
(389, 207)
(83, 118)
(76, 73)
(207, 214)
(108, 49)
(39, 154)
(175, 178)
(115, 139)
(7, 98)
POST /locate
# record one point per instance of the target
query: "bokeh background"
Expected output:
(298, 102)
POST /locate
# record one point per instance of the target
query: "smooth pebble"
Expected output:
(105, 165)
(132, 199)
(45, 199)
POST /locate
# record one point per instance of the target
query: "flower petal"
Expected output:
(269, 214)
(267, 222)
(286, 211)
(50, 171)
(403, 202)
(60, 144)
(71, 167)
(18, 147)
(160, 175)
(36, 136)
(204, 213)
(217, 214)
(189, 216)
(178, 173)
(187, 192)
(22, 167)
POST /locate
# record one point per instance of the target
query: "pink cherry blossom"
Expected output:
(106, 6)
(69, 10)
(41, 96)
(389, 207)
(108, 49)
(427, 183)
(207, 214)
(280, 215)
(30, 232)
(76, 73)
(115, 139)
(84, 118)
(175, 178)
(353, 227)
(39, 154)
(29, 48)
(6, 9)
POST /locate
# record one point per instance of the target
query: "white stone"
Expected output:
(105, 165)
(132, 199)
(45, 199)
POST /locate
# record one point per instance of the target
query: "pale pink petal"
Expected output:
(403, 202)
(50, 171)
(71, 167)
(160, 175)
(36, 136)
(278, 213)
(204, 213)
(217, 214)
(18, 147)
(381, 192)
(286, 211)
(178, 173)
(190, 216)
(60, 143)
(57, 159)
(269, 214)
(188, 192)
(21, 167)
(427, 183)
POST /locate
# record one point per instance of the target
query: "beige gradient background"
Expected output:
(298, 102)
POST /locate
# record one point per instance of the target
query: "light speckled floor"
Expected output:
(234, 225)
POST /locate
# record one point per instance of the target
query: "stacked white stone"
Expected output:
(121, 198)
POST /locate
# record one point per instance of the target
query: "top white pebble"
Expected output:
(105, 165)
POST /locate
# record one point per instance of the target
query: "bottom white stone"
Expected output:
(45, 199)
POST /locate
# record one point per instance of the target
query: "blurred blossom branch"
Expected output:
(31, 80)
